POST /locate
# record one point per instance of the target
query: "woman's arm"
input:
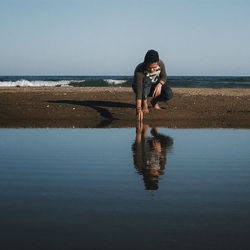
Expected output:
(163, 74)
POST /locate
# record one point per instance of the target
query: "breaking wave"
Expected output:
(123, 81)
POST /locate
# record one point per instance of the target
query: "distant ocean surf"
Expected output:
(123, 81)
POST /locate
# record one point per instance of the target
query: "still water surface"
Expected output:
(158, 188)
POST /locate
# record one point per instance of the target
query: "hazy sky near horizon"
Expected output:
(97, 37)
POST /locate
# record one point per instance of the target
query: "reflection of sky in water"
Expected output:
(77, 185)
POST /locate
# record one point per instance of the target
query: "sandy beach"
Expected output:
(115, 107)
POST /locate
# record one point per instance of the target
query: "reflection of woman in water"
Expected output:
(149, 154)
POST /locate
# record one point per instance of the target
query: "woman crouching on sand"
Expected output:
(149, 81)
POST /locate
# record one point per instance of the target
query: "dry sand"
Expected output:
(114, 107)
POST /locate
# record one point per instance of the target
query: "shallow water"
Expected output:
(113, 189)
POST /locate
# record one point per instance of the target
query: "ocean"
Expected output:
(242, 82)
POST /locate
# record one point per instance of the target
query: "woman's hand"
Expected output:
(139, 115)
(157, 90)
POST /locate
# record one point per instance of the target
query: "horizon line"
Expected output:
(127, 75)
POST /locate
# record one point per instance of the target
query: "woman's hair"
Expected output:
(151, 56)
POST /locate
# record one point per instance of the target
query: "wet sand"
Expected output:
(115, 107)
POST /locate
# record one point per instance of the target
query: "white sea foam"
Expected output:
(26, 83)
(114, 82)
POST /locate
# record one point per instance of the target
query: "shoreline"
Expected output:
(91, 107)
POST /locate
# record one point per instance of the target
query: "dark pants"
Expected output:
(148, 89)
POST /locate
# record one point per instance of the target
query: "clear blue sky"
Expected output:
(110, 37)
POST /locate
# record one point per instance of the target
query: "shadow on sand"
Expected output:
(100, 107)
